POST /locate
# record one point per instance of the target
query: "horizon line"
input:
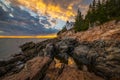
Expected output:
(22, 36)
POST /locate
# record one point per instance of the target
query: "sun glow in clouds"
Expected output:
(53, 10)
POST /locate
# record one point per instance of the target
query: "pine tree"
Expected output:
(94, 5)
(80, 23)
(100, 11)
(99, 4)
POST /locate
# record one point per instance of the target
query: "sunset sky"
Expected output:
(53, 13)
(61, 9)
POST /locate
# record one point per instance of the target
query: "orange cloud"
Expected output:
(61, 9)
(54, 10)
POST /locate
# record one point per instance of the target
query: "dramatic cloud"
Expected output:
(61, 9)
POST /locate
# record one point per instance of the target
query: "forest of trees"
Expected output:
(100, 11)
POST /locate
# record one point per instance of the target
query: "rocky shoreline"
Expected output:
(64, 59)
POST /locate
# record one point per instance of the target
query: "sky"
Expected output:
(61, 10)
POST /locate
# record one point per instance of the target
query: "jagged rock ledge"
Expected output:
(64, 59)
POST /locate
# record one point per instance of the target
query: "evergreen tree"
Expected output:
(100, 11)
(94, 4)
(80, 23)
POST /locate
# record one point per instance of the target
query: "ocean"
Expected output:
(9, 47)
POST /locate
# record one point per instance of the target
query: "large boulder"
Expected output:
(100, 57)
(108, 64)
(50, 50)
(27, 46)
(65, 48)
(80, 55)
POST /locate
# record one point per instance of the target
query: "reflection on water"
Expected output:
(11, 46)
